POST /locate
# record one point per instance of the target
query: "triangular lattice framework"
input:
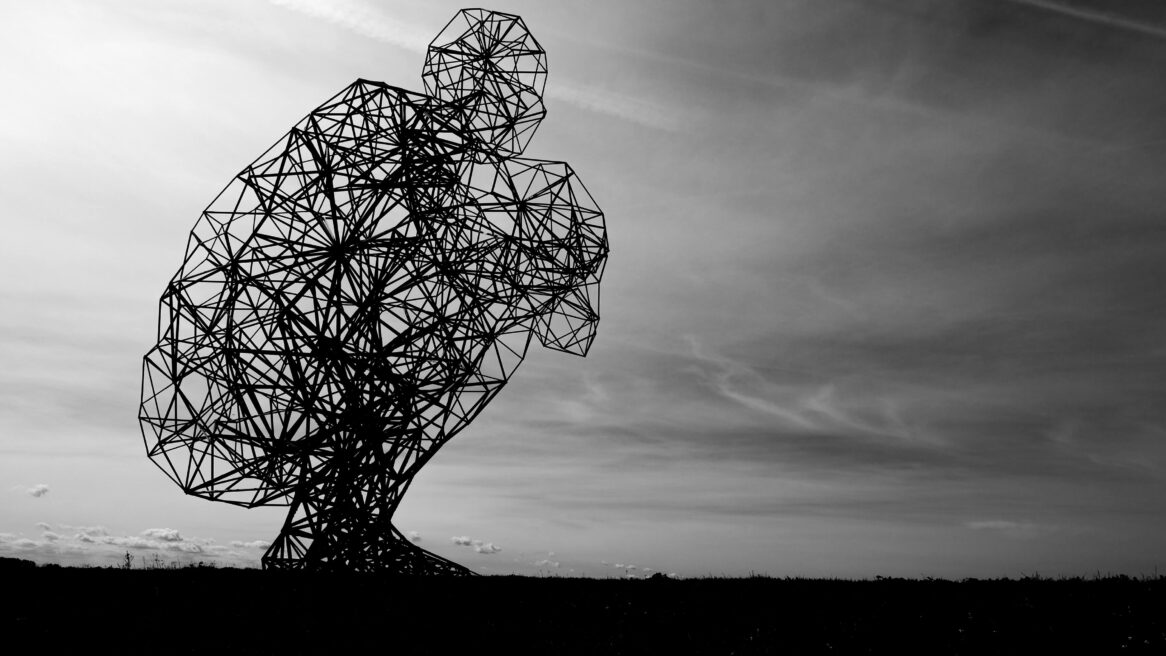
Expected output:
(358, 294)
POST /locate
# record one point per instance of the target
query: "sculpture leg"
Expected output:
(349, 532)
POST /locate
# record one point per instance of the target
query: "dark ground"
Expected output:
(54, 609)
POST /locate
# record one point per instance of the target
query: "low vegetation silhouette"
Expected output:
(332, 612)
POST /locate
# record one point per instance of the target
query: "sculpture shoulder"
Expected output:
(367, 104)
(550, 178)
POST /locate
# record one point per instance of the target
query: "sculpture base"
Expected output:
(394, 554)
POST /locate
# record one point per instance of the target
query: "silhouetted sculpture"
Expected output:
(356, 296)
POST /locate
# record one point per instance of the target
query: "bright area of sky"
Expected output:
(884, 298)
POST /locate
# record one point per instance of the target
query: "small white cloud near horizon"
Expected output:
(414, 536)
(38, 490)
(480, 546)
(44, 526)
(253, 544)
(163, 534)
(88, 531)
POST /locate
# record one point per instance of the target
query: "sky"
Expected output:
(884, 294)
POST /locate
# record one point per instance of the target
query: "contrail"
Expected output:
(1095, 17)
(359, 19)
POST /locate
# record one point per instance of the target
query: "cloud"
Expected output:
(44, 526)
(1096, 17)
(479, 546)
(633, 109)
(93, 546)
(1012, 529)
(188, 547)
(87, 530)
(625, 566)
(363, 21)
(546, 563)
(374, 25)
(130, 542)
(161, 539)
(163, 534)
(992, 525)
(38, 490)
(253, 544)
(414, 536)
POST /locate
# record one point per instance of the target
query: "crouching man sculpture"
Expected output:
(358, 294)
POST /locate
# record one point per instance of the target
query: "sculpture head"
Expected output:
(489, 65)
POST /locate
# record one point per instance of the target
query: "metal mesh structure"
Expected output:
(358, 294)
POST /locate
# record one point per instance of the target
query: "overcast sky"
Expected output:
(884, 297)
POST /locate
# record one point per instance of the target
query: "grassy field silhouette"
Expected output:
(206, 609)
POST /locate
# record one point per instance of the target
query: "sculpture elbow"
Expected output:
(571, 324)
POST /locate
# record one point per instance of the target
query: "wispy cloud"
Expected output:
(38, 490)
(1013, 529)
(728, 376)
(365, 21)
(1101, 18)
(634, 109)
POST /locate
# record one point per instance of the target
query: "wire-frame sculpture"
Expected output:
(358, 294)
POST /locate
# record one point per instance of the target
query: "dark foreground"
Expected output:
(255, 612)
